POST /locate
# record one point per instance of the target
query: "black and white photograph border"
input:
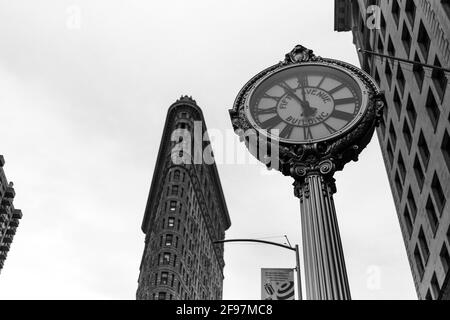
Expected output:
(132, 140)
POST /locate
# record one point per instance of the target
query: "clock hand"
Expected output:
(292, 93)
(307, 110)
(304, 104)
(304, 93)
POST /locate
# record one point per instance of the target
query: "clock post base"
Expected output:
(325, 271)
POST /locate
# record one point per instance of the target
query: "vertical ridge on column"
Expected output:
(326, 276)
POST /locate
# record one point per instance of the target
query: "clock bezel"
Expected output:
(351, 125)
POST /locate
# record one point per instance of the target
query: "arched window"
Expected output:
(169, 240)
(176, 175)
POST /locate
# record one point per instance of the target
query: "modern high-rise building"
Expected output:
(9, 216)
(415, 131)
(186, 212)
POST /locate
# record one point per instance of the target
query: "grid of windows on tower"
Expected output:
(414, 132)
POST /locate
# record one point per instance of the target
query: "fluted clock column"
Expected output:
(326, 275)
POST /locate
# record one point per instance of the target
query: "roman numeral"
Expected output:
(286, 132)
(344, 101)
(342, 115)
(302, 81)
(307, 133)
(267, 111)
(339, 87)
(271, 123)
(329, 128)
(321, 82)
(285, 86)
(268, 96)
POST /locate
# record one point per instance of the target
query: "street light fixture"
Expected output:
(297, 256)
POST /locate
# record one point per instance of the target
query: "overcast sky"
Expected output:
(84, 91)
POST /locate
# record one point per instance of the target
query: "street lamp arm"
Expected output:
(256, 241)
(297, 256)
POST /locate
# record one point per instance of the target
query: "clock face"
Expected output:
(306, 103)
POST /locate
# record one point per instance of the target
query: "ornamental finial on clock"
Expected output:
(300, 54)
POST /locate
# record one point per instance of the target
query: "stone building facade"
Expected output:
(186, 212)
(9, 216)
(415, 132)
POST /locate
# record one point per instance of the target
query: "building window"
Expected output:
(406, 39)
(445, 147)
(445, 258)
(423, 40)
(439, 79)
(169, 240)
(390, 153)
(448, 235)
(176, 175)
(411, 111)
(162, 296)
(433, 109)
(173, 206)
(419, 73)
(380, 48)
(419, 173)
(175, 190)
(166, 258)
(423, 150)
(424, 246)
(432, 217)
(412, 204)
(391, 48)
(388, 73)
(171, 222)
(164, 278)
(401, 167)
(407, 135)
(396, 11)
(419, 262)
(438, 193)
(392, 135)
(382, 127)
(399, 185)
(446, 6)
(397, 103)
(410, 10)
(435, 287)
(383, 25)
(408, 221)
(400, 80)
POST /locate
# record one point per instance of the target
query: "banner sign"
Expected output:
(277, 284)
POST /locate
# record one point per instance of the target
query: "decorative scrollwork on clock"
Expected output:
(321, 112)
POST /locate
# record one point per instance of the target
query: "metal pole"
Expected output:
(326, 275)
(299, 274)
(297, 256)
(404, 60)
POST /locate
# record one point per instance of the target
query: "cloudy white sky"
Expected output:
(84, 90)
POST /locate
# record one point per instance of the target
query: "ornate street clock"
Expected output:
(311, 116)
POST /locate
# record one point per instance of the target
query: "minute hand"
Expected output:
(292, 93)
(307, 110)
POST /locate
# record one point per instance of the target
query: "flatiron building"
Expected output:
(185, 213)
